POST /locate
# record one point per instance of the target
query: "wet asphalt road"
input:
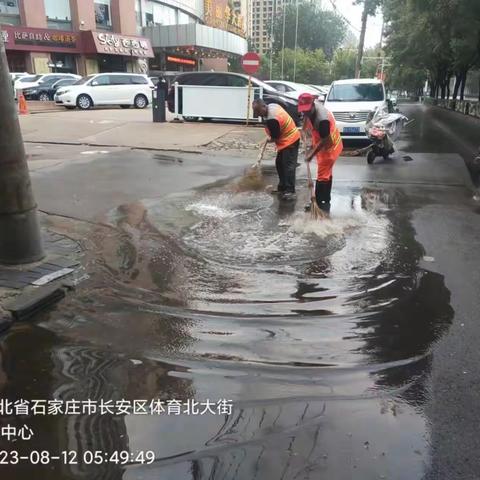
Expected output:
(348, 348)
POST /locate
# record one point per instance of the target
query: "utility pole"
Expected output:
(296, 41)
(361, 43)
(20, 240)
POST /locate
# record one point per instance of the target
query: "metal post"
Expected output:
(249, 95)
(20, 239)
(283, 38)
(176, 119)
(295, 51)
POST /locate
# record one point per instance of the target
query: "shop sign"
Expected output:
(181, 60)
(39, 39)
(221, 14)
(122, 45)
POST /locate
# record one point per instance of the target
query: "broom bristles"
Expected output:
(316, 212)
(251, 180)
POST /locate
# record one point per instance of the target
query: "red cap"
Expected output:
(305, 102)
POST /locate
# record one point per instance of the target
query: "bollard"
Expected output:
(158, 104)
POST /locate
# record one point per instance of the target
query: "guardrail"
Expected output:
(208, 102)
(467, 107)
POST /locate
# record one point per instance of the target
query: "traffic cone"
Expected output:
(22, 105)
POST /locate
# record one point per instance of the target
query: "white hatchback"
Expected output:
(124, 89)
(351, 101)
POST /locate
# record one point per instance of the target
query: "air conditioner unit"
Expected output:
(150, 23)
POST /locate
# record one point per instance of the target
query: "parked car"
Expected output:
(16, 76)
(291, 89)
(229, 79)
(321, 88)
(124, 89)
(46, 90)
(31, 81)
(351, 101)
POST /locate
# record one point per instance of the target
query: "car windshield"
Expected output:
(356, 92)
(83, 80)
(30, 78)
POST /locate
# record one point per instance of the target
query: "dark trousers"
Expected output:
(323, 190)
(286, 163)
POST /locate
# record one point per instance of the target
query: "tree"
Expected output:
(311, 66)
(343, 64)
(369, 8)
(317, 29)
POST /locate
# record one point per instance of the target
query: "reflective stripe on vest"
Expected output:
(289, 133)
(336, 140)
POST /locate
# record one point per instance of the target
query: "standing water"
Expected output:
(319, 333)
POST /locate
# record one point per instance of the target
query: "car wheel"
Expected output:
(84, 102)
(44, 97)
(124, 106)
(140, 101)
(191, 119)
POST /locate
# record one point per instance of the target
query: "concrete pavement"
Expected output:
(120, 128)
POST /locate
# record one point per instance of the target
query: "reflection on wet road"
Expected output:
(320, 333)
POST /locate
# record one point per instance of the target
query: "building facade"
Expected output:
(261, 15)
(77, 36)
(91, 36)
(189, 35)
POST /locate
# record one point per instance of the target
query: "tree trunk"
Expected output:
(456, 86)
(361, 43)
(463, 84)
(448, 87)
(20, 240)
(433, 88)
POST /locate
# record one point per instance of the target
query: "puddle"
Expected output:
(312, 329)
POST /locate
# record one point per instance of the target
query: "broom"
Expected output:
(316, 213)
(253, 180)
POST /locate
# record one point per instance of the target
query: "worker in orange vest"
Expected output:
(326, 142)
(281, 129)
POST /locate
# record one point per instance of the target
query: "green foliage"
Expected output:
(317, 29)
(433, 39)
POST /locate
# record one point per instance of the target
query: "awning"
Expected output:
(116, 44)
(196, 35)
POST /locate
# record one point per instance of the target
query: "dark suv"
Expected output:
(228, 79)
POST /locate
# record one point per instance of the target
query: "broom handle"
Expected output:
(262, 151)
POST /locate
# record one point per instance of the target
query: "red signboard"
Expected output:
(117, 44)
(181, 60)
(40, 39)
(250, 62)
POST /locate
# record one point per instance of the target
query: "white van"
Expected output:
(351, 101)
(124, 89)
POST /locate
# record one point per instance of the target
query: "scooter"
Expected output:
(383, 129)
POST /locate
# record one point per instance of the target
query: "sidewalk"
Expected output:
(121, 128)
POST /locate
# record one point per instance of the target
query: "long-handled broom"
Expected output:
(316, 213)
(253, 179)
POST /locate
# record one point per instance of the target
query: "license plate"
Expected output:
(351, 129)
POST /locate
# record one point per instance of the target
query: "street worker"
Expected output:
(326, 144)
(281, 129)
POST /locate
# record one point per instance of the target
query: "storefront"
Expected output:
(112, 52)
(38, 50)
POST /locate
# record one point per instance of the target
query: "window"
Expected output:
(58, 14)
(120, 80)
(234, 81)
(138, 80)
(359, 92)
(9, 13)
(102, 80)
(103, 17)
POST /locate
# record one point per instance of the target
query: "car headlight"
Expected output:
(62, 92)
(34, 90)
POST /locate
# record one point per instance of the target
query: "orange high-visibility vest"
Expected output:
(326, 158)
(289, 133)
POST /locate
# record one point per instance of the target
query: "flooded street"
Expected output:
(319, 335)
